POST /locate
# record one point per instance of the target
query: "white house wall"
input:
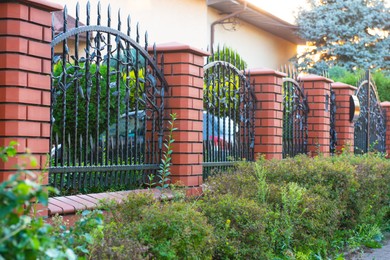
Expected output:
(257, 47)
(188, 22)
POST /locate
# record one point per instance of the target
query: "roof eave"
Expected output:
(259, 18)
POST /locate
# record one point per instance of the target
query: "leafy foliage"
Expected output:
(310, 208)
(166, 161)
(382, 82)
(239, 226)
(145, 228)
(24, 235)
(89, 88)
(348, 33)
(222, 83)
(229, 55)
(297, 208)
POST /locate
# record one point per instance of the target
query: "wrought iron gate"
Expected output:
(295, 110)
(228, 116)
(370, 127)
(107, 106)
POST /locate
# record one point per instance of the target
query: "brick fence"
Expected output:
(25, 67)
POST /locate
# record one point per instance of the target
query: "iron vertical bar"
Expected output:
(64, 86)
(108, 91)
(77, 83)
(52, 177)
(127, 99)
(87, 86)
(368, 78)
(147, 87)
(136, 97)
(97, 77)
(118, 89)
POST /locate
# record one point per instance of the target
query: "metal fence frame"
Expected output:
(295, 112)
(229, 101)
(128, 94)
(370, 127)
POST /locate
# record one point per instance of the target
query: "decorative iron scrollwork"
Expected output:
(370, 127)
(107, 106)
(295, 110)
(228, 116)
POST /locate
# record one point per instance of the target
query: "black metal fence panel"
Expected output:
(295, 110)
(370, 127)
(228, 116)
(107, 101)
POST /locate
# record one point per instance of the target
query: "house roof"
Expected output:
(259, 18)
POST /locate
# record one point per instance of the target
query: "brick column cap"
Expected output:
(312, 77)
(41, 4)
(341, 85)
(385, 104)
(265, 72)
(172, 47)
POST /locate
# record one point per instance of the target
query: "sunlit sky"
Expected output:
(285, 9)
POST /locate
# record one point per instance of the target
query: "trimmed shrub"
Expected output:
(239, 225)
(310, 207)
(149, 229)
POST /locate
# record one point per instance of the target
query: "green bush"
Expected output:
(157, 230)
(239, 225)
(25, 235)
(311, 207)
(297, 208)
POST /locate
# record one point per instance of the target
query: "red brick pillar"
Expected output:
(25, 66)
(269, 112)
(317, 89)
(386, 107)
(344, 126)
(183, 69)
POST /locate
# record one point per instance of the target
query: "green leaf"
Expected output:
(35, 243)
(33, 161)
(85, 213)
(23, 189)
(53, 253)
(13, 143)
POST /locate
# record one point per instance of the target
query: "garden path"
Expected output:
(377, 254)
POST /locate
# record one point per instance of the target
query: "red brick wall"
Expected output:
(269, 112)
(183, 69)
(344, 127)
(318, 120)
(386, 106)
(25, 66)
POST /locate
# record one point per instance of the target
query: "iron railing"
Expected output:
(295, 110)
(107, 103)
(370, 127)
(228, 116)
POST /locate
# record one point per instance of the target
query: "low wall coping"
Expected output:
(312, 77)
(69, 205)
(42, 4)
(341, 85)
(385, 104)
(265, 72)
(178, 47)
